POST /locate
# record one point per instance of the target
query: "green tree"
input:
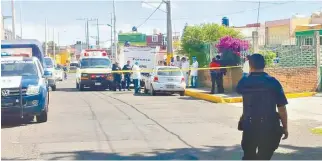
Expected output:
(269, 57)
(196, 39)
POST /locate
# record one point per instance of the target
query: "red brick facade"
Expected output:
(302, 79)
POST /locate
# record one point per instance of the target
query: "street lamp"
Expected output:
(86, 28)
(109, 25)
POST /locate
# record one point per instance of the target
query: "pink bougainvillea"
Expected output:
(235, 45)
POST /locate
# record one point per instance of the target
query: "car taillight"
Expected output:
(182, 79)
(86, 54)
(155, 79)
(104, 54)
(93, 76)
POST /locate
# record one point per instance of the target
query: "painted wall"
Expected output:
(279, 35)
(298, 22)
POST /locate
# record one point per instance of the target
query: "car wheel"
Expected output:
(43, 117)
(53, 88)
(153, 92)
(81, 87)
(146, 91)
(181, 93)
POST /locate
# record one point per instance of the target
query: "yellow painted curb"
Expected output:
(298, 95)
(317, 130)
(218, 99)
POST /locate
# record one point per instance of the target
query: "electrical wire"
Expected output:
(149, 16)
(232, 13)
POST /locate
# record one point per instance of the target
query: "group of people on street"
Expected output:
(187, 69)
(123, 81)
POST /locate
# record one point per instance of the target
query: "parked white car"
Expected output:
(165, 79)
(59, 73)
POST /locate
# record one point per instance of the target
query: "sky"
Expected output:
(62, 15)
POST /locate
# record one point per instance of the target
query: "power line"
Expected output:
(232, 13)
(150, 15)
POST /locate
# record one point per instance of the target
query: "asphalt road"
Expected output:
(95, 125)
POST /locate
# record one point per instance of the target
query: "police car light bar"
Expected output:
(15, 55)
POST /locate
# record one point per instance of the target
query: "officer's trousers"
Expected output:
(260, 144)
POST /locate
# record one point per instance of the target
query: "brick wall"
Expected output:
(301, 79)
(295, 79)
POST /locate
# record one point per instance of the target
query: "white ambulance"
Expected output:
(94, 70)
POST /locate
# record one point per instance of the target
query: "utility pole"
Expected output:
(46, 47)
(115, 34)
(54, 48)
(13, 19)
(111, 25)
(58, 42)
(169, 32)
(20, 16)
(87, 38)
(98, 34)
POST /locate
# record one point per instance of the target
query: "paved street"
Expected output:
(118, 125)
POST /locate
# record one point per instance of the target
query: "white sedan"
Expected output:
(165, 79)
(59, 73)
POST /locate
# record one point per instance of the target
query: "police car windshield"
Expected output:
(169, 72)
(49, 63)
(18, 68)
(95, 63)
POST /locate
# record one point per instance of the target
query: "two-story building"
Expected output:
(247, 32)
(282, 32)
(156, 40)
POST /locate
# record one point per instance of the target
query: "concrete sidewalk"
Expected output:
(204, 94)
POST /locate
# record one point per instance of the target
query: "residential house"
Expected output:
(247, 32)
(156, 40)
(282, 32)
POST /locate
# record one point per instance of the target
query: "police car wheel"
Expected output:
(42, 117)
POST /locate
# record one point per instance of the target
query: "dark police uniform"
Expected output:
(260, 122)
(127, 76)
(117, 77)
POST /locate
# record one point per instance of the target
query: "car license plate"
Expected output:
(98, 83)
(170, 86)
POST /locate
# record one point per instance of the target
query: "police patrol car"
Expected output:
(24, 89)
(94, 70)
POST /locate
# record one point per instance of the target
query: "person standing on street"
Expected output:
(246, 66)
(117, 76)
(260, 122)
(194, 72)
(136, 77)
(216, 75)
(127, 75)
(177, 62)
(185, 69)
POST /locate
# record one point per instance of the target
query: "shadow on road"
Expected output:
(188, 98)
(207, 153)
(11, 123)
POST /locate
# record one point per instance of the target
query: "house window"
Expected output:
(155, 38)
(308, 41)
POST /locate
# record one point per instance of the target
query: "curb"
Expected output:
(218, 99)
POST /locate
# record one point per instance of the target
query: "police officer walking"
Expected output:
(260, 122)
